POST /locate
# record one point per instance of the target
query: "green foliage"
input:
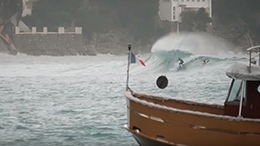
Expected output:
(246, 10)
(136, 17)
(195, 20)
(8, 8)
(188, 18)
(202, 19)
(56, 12)
(92, 22)
(228, 10)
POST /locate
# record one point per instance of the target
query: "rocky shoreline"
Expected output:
(75, 44)
(51, 44)
(68, 45)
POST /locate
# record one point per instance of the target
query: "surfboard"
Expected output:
(180, 67)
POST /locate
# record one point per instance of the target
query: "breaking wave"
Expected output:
(192, 48)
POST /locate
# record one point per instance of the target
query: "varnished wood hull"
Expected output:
(160, 122)
(144, 141)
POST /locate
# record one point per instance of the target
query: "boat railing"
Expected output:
(254, 49)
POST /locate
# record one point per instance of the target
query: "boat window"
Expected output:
(258, 89)
(235, 93)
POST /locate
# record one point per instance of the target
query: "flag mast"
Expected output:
(128, 65)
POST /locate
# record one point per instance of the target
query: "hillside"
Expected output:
(112, 24)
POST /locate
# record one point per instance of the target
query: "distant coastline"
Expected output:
(58, 43)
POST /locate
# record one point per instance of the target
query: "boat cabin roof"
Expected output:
(250, 72)
(241, 71)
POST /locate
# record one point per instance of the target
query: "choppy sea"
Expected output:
(78, 100)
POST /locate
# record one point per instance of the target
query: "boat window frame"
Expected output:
(237, 93)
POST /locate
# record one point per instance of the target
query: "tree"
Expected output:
(201, 20)
(195, 20)
(135, 17)
(8, 8)
(55, 13)
(92, 22)
(188, 18)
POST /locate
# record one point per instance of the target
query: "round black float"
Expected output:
(162, 82)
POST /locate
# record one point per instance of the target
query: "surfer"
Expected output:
(181, 62)
(205, 62)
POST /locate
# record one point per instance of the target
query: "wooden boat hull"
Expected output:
(144, 141)
(154, 123)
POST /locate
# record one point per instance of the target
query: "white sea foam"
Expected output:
(196, 43)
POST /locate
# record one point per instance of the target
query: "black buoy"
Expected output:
(162, 82)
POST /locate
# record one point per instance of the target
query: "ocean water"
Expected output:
(78, 100)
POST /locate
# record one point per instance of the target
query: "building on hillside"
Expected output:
(171, 9)
(27, 10)
(27, 5)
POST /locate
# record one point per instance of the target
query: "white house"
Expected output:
(27, 7)
(171, 9)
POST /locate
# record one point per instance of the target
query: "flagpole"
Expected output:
(129, 61)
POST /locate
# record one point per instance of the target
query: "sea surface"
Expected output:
(79, 100)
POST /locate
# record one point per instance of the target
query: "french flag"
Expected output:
(133, 59)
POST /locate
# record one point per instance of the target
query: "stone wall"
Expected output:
(66, 42)
(51, 44)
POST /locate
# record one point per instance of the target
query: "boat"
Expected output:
(157, 120)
